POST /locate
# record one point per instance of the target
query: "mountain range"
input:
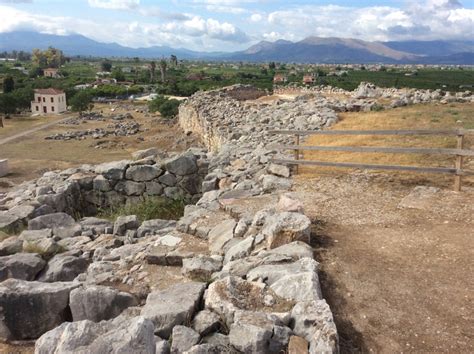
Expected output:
(308, 50)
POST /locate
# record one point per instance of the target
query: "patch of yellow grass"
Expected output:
(429, 116)
(18, 124)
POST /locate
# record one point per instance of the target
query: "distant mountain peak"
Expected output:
(312, 49)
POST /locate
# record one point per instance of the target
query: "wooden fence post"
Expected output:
(458, 165)
(297, 152)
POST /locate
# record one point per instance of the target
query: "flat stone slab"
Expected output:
(173, 306)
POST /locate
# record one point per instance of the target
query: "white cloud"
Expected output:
(115, 4)
(431, 19)
(226, 9)
(256, 18)
(195, 33)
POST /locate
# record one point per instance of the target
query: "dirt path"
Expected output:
(396, 264)
(31, 131)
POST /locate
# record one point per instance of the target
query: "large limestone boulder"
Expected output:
(51, 221)
(141, 154)
(173, 306)
(206, 322)
(124, 223)
(258, 332)
(200, 268)
(11, 245)
(47, 247)
(182, 165)
(183, 339)
(63, 268)
(220, 235)
(96, 226)
(134, 335)
(29, 309)
(282, 228)
(24, 266)
(62, 224)
(142, 173)
(97, 303)
(155, 226)
(271, 273)
(367, 90)
(113, 170)
(231, 294)
(296, 250)
(314, 322)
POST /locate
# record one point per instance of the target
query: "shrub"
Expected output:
(167, 108)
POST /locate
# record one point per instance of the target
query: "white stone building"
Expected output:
(49, 101)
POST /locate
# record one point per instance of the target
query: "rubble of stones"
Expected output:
(245, 280)
(85, 117)
(115, 129)
(406, 97)
(122, 125)
(365, 96)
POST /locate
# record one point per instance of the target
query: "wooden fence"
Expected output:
(459, 152)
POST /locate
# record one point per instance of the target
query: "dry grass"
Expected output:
(19, 124)
(415, 117)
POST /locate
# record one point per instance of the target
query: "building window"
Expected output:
(37, 108)
(39, 99)
(52, 108)
(44, 99)
(52, 99)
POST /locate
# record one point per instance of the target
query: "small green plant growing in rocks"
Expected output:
(377, 108)
(147, 208)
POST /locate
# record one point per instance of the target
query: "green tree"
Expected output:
(152, 71)
(23, 97)
(51, 57)
(7, 104)
(106, 66)
(174, 60)
(81, 101)
(8, 84)
(272, 65)
(118, 74)
(163, 66)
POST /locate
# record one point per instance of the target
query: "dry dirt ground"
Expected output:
(396, 262)
(397, 279)
(30, 156)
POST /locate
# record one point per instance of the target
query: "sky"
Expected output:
(230, 25)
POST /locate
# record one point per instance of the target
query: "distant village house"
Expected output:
(308, 79)
(51, 72)
(279, 78)
(49, 101)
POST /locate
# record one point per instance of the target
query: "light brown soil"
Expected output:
(397, 279)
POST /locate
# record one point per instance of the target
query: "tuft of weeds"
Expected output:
(147, 208)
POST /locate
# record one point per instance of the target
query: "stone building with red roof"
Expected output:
(49, 101)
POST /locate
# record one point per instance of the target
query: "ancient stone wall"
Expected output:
(247, 281)
(85, 190)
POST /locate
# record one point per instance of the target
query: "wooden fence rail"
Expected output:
(459, 152)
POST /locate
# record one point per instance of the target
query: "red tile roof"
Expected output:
(49, 91)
